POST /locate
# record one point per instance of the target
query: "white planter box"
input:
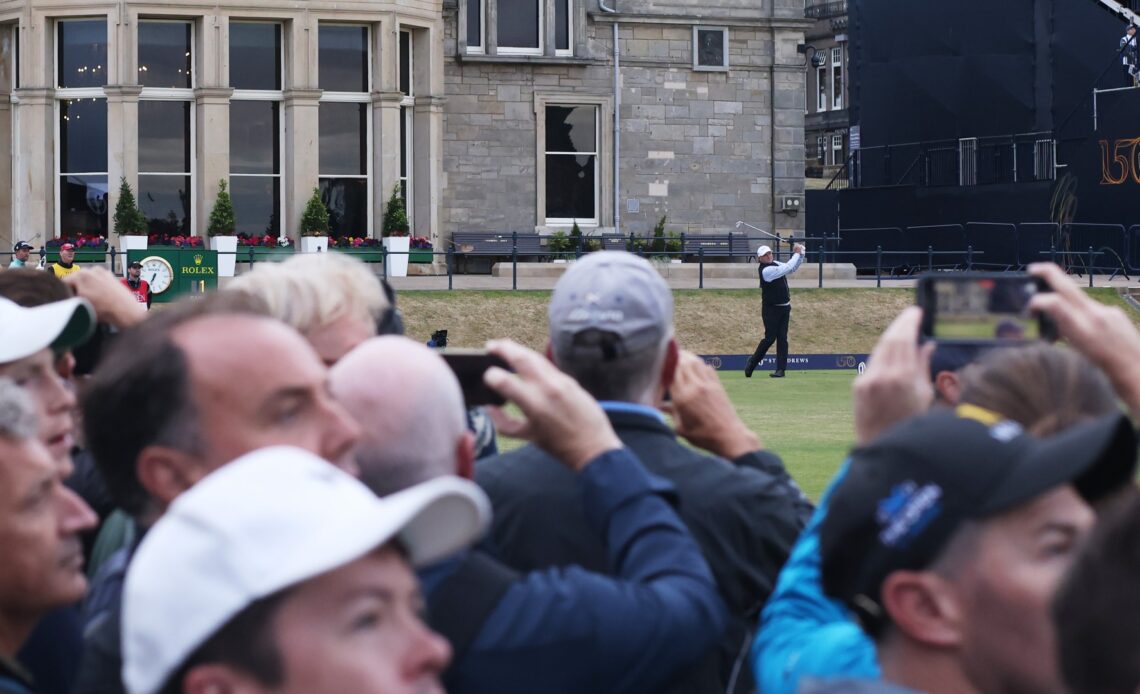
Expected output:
(226, 246)
(130, 243)
(314, 244)
(398, 247)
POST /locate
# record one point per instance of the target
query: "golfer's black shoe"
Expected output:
(749, 367)
(778, 373)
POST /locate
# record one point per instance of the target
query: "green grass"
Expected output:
(806, 418)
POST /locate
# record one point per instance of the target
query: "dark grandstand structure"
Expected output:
(1006, 129)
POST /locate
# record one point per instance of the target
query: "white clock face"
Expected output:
(157, 273)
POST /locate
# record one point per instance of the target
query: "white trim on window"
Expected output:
(481, 47)
(526, 50)
(837, 77)
(821, 89)
(596, 153)
(363, 97)
(277, 95)
(569, 50)
(697, 66)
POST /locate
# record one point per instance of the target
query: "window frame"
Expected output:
(408, 120)
(276, 95)
(836, 85)
(697, 67)
(837, 151)
(569, 50)
(363, 97)
(603, 166)
(821, 89)
(481, 47)
(182, 94)
(516, 50)
(62, 94)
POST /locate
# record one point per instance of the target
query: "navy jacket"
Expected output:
(571, 630)
(745, 515)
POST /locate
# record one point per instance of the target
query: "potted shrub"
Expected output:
(315, 225)
(560, 245)
(223, 236)
(130, 223)
(395, 233)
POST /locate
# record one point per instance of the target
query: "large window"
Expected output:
(255, 127)
(837, 77)
(166, 129)
(406, 120)
(81, 138)
(520, 26)
(572, 164)
(821, 89)
(345, 136)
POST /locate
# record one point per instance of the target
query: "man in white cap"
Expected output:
(776, 298)
(30, 339)
(303, 586)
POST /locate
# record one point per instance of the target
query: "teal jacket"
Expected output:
(804, 633)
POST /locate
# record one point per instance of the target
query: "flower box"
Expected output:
(420, 255)
(264, 253)
(83, 255)
(368, 254)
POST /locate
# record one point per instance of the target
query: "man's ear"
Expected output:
(948, 386)
(465, 455)
(923, 607)
(215, 678)
(669, 366)
(165, 473)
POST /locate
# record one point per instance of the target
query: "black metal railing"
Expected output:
(826, 10)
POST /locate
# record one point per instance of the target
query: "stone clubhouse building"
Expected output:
(494, 115)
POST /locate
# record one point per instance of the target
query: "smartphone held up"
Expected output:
(469, 365)
(982, 308)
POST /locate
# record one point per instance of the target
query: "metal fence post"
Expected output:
(1053, 254)
(124, 270)
(970, 257)
(384, 262)
(822, 249)
(251, 257)
(930, 258)
(450, 259)
(514, 260)
(1089, 267)
(701, 267)
(878, 266)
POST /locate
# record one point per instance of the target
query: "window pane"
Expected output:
(343, 58)
(347, 202)
(257, 200)
(570, 186)
(83, 53)
(164, 54)
(83, 136)
(164, 136)
(710, 47)
(83, 205)
(561, 24)
(255, 56)
(406, 62)
(837, 88)
(165, 202)
(475, 23)
(343, 138)
(518, 23)
(404, 143)
(254, 142)
(570, 129)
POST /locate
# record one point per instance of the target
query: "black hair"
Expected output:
(140, 395)
(247, 643)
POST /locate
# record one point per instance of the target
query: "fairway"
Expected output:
(805, 417)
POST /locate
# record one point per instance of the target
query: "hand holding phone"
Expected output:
(979, 307)
(469, 365)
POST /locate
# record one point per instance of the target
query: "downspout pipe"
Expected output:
(617, 119)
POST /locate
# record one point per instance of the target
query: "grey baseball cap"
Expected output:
(612, 292)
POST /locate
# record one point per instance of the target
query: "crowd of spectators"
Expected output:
(269, 488)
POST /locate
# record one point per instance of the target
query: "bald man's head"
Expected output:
(410, 406)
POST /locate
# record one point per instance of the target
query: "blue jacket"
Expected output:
(804, 633)
(571, 630)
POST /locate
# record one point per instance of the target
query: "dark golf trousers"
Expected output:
(776, 320)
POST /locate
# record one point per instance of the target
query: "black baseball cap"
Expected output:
(135, 264)
(906, 494)
(21, 245)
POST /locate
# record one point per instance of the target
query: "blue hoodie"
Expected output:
(804, 633)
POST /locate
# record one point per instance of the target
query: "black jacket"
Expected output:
(745, 515)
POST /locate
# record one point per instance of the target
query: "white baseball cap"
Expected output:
(762, 251)
(60, 324)
(269, 520)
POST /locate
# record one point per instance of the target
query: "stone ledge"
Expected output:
(689, 271)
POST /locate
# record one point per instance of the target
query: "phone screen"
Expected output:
(981, 308)
(469, 365)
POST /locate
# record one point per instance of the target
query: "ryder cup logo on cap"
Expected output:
(614, 293)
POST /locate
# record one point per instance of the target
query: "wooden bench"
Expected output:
(497, 244)
(718, 245)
